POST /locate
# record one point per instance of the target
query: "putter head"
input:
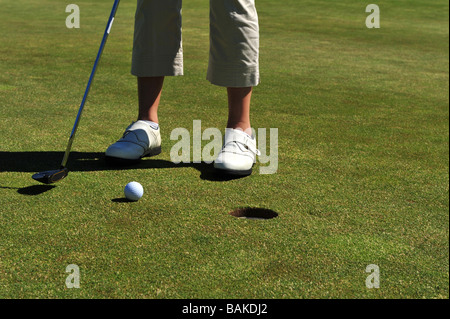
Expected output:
(50, 177)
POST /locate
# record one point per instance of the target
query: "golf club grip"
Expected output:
(91, 78)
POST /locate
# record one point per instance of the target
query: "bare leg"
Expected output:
(239, 108)
(149, 92)
(150, 89)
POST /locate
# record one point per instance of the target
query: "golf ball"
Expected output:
(133, 191)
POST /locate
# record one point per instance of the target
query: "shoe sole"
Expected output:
(234, 172)
(118, 160)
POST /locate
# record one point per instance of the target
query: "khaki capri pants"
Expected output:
(234, 41)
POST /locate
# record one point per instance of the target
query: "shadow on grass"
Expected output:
(32, 190)
(34, 162)
(121, 200)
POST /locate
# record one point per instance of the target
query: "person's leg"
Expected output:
(239, 108)
(157, 46)
(234, 44)
(239, 150)
(149, 94)
(234, 55)
(234, 64)
(157, 52)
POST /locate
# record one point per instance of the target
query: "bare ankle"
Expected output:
(245, 127)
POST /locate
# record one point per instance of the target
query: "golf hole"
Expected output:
(254, 213)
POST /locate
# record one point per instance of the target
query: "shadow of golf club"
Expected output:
(32, 190)
(94, 161)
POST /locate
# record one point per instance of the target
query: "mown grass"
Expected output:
(363, 159)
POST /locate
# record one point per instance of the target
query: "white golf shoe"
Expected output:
(139, 140)
(238, 153)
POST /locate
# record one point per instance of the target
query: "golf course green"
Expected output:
(363, 158)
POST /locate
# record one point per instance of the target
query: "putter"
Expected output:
(53, 176)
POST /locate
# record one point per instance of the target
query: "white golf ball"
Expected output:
(134, 191)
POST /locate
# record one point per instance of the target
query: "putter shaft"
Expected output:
(88, 87)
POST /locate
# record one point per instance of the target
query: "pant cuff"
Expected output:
(229, 77)
(152, 67)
